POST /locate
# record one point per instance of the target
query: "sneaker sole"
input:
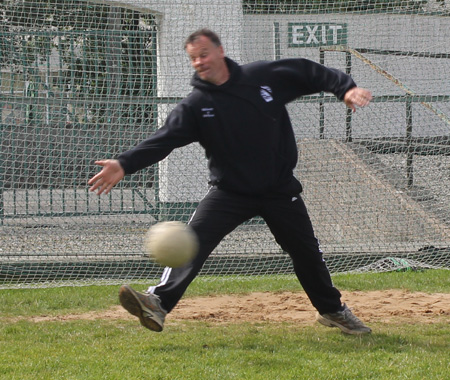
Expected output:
(345, 330)
(131, 302)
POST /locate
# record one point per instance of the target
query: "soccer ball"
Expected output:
(171, 244)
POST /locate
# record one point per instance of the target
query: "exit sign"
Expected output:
(313, 35)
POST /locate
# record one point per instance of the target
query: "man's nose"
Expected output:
(197, 62)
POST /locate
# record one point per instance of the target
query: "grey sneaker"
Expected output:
(147, 307)
(345, 320)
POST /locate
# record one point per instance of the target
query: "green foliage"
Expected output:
(306, 6)
(72, 14)
(33, 27)
(77, 49)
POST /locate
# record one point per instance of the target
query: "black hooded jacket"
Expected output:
(243, 125)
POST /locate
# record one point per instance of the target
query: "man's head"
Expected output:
(207, 56)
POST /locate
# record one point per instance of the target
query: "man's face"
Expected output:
(208, 60)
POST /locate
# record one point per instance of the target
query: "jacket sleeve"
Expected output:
(178, 130)
(298, 77)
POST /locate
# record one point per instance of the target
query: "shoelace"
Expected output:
(350, 316)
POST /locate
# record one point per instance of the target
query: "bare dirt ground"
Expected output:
(392, 306)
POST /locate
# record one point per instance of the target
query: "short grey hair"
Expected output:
(203, 32)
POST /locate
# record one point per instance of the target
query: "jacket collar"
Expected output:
(234, 69)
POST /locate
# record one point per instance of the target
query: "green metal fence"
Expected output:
(68, 98)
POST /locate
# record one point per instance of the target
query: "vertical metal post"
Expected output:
(113, 58)
(2, 202)
(276, 41)
(321, 104)
(348, 119)
(409, 144)
(155, 111)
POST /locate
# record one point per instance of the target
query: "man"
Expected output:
(238, 114)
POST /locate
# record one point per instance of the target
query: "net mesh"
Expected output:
(86, 80)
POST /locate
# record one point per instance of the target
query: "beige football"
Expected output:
(171, 244)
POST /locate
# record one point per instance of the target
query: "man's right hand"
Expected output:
(111, 173)
(357, 96)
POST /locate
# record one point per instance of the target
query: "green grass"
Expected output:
(122, 349)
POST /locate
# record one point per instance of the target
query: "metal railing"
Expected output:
(409, 98)
(68, 196)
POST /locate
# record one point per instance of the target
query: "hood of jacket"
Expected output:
(235, 73)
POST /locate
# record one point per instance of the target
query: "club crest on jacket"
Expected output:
(266, 93)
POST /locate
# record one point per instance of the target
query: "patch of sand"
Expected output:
(376, 306)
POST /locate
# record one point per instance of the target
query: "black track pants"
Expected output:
(220, 212)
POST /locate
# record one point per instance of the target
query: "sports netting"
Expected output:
(86, 80)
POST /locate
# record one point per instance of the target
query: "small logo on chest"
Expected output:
(208, 112)
(266, 93)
